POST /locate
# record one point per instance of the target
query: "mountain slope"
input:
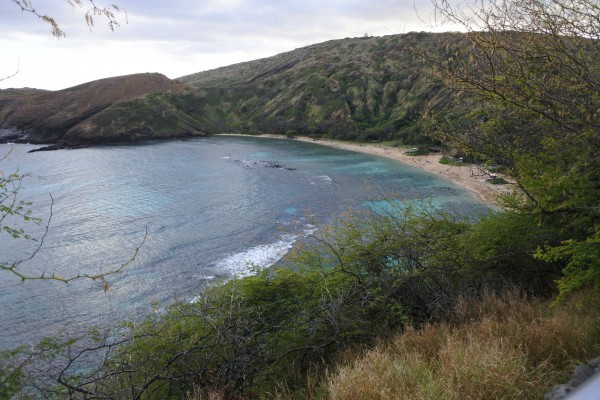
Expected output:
(366, 88)
(362, 88)
(78, 115)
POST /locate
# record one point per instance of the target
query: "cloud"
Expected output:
(178, 37)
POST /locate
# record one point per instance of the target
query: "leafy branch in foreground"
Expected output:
(12, 268)
(109, 12)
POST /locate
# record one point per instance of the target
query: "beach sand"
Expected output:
(462, 176)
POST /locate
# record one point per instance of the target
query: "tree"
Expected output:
(528, 71)
(109, 12)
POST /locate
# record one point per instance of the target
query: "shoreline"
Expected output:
(460, 176)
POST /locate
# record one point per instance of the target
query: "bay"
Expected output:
(208, 207)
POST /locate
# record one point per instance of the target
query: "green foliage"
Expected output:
(10, 377)
(14, 212)
(530, 75)
(364, 278)
(365, 89)
(498, 181)
(502, 247)
(13, 207)
(158, 115)
(583, 263)
(450, 161)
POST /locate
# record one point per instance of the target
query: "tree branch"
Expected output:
(109, 12)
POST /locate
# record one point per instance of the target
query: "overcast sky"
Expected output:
(180, 37)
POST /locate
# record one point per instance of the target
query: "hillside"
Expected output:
(95, 112)
(362, 88)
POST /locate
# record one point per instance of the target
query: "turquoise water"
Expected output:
(209, 206)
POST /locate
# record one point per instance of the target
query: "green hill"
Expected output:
(361, 88)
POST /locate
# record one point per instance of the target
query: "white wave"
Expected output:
(248, 262)
(325, 178)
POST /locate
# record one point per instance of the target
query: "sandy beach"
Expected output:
(464, 176)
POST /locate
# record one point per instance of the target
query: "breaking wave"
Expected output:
(254, 259)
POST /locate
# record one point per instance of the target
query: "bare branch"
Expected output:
(8, 77)
(109, 12)
(66, 279)
(11, 206)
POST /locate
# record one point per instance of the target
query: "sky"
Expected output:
(181, 37)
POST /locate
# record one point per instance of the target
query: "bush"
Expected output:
(421, 151)
(498, 181)
(445, 160)
(502, 247)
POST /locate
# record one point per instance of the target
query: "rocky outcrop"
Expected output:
(581, 375)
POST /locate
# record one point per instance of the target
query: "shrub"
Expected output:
(445, 160)
(421, 151)
(498, 181)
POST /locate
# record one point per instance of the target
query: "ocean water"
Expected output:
(209, 207)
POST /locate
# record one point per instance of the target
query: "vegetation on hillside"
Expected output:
(362, 88)
(107, 110)
(530, 79)
(154, 116)
(493, 347)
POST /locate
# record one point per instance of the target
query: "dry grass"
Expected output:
(500, 347)
(497, 348)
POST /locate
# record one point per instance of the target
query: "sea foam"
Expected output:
(251, 260)
(254, 259)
